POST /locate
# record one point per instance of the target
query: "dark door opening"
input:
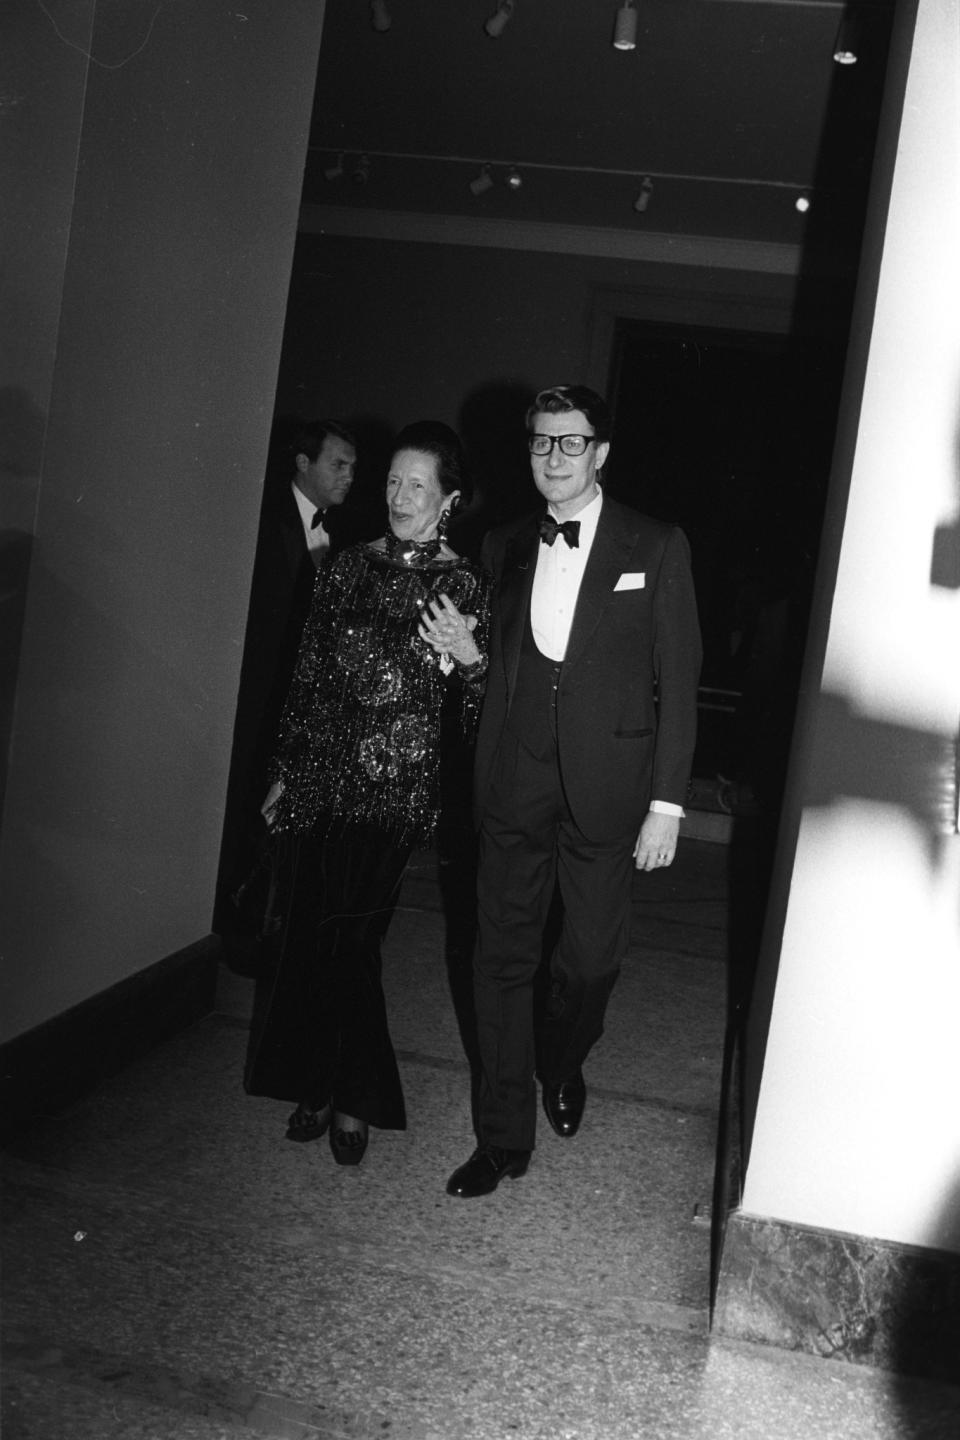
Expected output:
(730, 436)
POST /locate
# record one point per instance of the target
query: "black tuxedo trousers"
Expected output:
(529, 844)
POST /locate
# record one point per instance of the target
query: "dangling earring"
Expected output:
(442, 524)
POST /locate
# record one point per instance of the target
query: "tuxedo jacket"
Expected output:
(627, 695)
(280, 596)
(281, 592)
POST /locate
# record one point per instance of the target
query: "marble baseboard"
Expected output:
(842, 1297)
(53, 1065)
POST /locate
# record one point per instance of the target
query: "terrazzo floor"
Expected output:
(174, 1268)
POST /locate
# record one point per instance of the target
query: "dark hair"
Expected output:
(432, 437)
(308, 439)
(561, 399)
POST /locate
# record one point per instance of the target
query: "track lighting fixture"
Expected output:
(643, 195)
(625, 27)
(380, 15)
(361, 173)
(481, 182)
(334, 171)
(846, 47)
(500, 18)
(514, 180)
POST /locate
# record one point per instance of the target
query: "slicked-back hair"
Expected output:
(561, 399)
(432, 437)
(309, 439)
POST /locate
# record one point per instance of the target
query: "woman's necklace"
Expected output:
(411, 552)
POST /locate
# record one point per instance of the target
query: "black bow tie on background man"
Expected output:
(317, 519)
(570, 530)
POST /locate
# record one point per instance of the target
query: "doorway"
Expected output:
(730, 436)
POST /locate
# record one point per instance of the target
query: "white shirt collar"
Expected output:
(304, 505)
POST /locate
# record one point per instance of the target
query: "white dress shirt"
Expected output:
(317, 538)
(556, 585)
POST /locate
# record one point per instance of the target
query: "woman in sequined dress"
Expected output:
(392, 657)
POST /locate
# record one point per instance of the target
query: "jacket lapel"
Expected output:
(291, 534)
(516, 584)
(609, 555)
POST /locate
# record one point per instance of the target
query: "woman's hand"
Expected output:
(267, 809)
(449, 632)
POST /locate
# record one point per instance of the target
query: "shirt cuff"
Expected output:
(666, 807)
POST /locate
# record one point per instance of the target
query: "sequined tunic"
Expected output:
(360, 734)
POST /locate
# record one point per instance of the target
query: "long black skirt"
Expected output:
(320, 1030)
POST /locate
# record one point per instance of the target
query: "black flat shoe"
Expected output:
(564, 1104)
(485, 1169)
(307, 1124)
(349, 1146)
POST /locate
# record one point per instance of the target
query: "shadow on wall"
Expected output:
(929, 1320)
(863, 758)
(365, 512)
(22, 427)
(492, 427)
(945, 556)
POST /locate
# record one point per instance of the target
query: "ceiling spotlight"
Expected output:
(846, 47)
(643, 195)
(482, 182)
(513, 179)
(625, 28)
(334, 171)
(500, 18)
(802, 203)
(361, 173)
(380, 15)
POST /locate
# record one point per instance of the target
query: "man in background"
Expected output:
(311, 471)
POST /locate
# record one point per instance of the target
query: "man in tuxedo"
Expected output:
(583, 761)
(311, 471)
(299, 530)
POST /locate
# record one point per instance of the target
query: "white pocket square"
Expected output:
(631, 580)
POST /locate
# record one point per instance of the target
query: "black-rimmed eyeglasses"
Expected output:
(569, 444)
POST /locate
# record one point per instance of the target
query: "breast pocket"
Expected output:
(631, 580)
(629, 614)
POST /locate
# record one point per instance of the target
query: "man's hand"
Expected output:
(657, 842)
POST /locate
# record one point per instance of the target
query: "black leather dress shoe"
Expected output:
(485, 1169)
(564, 1104)
(349, 1146)
(307, 1124)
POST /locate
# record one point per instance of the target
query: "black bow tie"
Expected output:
(570, 530)
(317, 519)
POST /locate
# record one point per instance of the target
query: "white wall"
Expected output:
(857, 1125)
(177, 157)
